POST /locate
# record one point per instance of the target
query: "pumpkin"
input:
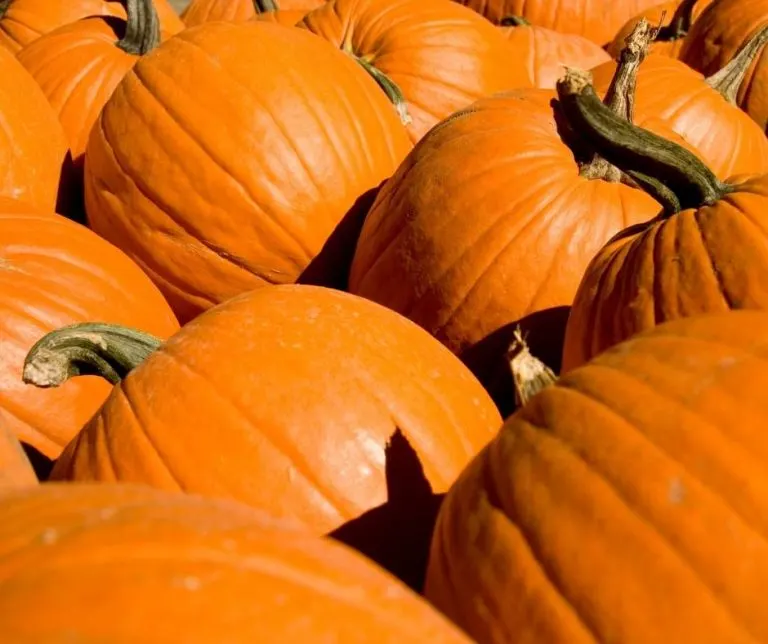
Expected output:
(32, 144)
(598, 20)
(303, 401)
(707, 252)
(548, 52)
(78, 67)
(23, 21)
(624, 504)
(166, 567)
(199, 12)
(219, 192)
(15, 469)
(431, 57)
(490, 223)
(699, 110)
(724, 29)
(675, 18)
(56, 272)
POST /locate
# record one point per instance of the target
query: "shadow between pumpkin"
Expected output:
(41, 464)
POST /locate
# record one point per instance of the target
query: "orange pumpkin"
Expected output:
(175, 568)
(597, 20)
(244, 185)
(306, 402)
(202, 11)
(15, 469)
(23, 21)
(56, 272)
(669, 90)
(726, 28)
(439, 56)
(624, 504)
(548, 52)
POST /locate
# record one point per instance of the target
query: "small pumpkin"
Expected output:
(287, 12)
(15, 469)
(167, 567)
(431, 57)
(707, 252)
(23, 21)
(627, 503)
(55, 272)
(547, 53)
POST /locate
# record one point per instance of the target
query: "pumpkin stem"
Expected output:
(393, 92)
(265, 6)
(729, 79)
(91, 348)
(680, 24)
(529, 373)
(514, 21)
(668, 172)
(4, 4)
(142, 28)
(620, 97)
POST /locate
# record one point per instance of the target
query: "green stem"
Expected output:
(514, 21)
(393, 92)
(86, 349)
(265, 6)
(729, 79)
(668, 172)
(680, 24)
(142, 28)
(4, 4)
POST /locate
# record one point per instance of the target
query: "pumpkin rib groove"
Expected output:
(293, 458)
(657, 284)
(108, 472)
(240, 263)
(640, 514)
(708, 259)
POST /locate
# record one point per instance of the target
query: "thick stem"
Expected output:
(729, 79)
(142, 28)
(265, 6)
(86, 349)
(529, 374)
(620, 97)
(4, 4)
(680, 24)
(668, 172)
(393, 92)
(514, 21)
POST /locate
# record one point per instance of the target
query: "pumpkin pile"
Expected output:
(383, 321)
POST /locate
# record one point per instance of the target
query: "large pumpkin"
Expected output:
(221, 191)
(625, 504)
(199, 12)
(439, 55)
(56, 272)
(165, 567)
(23, 21)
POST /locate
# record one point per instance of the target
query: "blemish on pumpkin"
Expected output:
(191, 583)
(676, 493)
(49, 536)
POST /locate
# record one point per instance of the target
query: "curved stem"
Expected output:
(393, 92)
(680, 24)
(265, 6)
(514, 21)
(142, 28)
(729, 79)
(529, 374)
(91, 348)
(668, 172)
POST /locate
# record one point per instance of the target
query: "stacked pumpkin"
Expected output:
(275, 275)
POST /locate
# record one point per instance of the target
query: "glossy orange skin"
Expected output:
(32, 144)
(199, 12)
(486, 223)
(442, 56)
(597, 20)
(548, 52)
(696, 262)
(625, 504)
(54, 273)
(286, 397)
(166, 567)
(716, 37)
(15, 469)
(212, 207)
(659, 15)
(669, 90)
(27, 20)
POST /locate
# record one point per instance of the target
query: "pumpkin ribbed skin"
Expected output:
(715, 38)
(15, 469)
(32, 144)
(441, 56)
(220, 192)
(27, 20)
(55, 272)
(169, 567)
(547, 52)
(627, 503)
(597, 20)
(199, 12)
(488, 223)
(286, 398)
(692, 263)
(669, 90)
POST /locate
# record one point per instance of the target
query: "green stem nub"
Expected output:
(265, 6)
(514, 21)
(142, 28)
(87, 349)
(393, 92)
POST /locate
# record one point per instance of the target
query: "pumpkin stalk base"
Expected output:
(729, 79)
(142, 28)
(529, 374)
